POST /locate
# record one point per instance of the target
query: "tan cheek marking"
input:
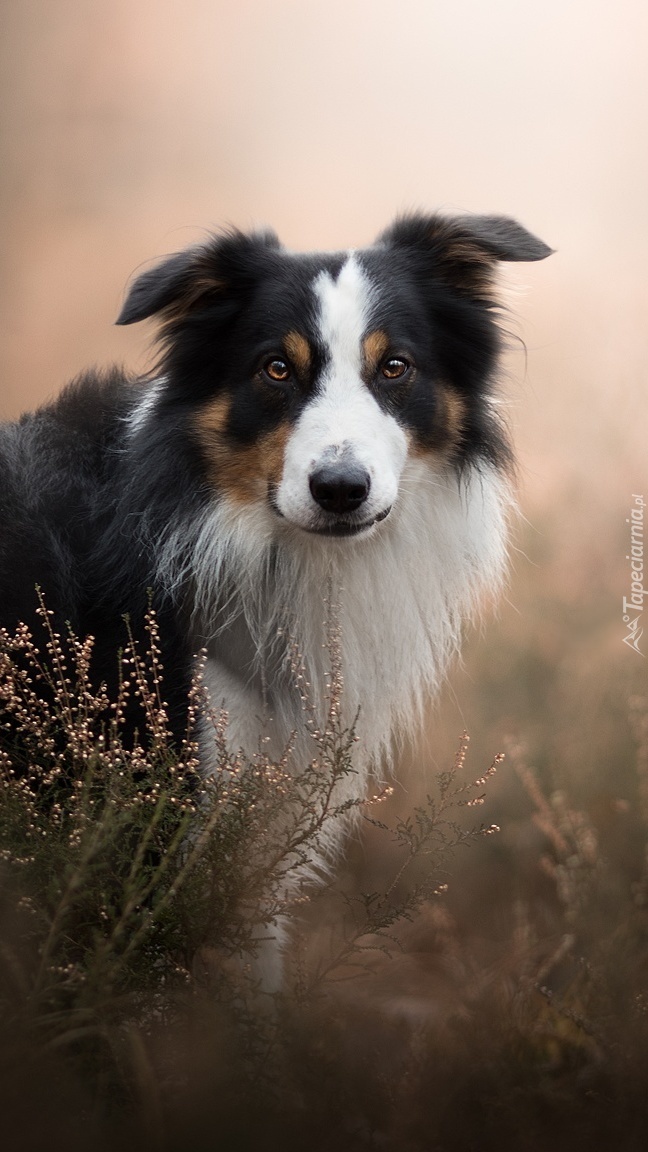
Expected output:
(244, 473)
(298, 350)
(374, 346)
(211, 420)
(448, 430)
(455, 414)
(271, 450)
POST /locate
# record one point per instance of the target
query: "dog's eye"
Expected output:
(277, 370)
(395, 368)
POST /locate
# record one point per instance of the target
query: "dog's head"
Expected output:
(307, 381)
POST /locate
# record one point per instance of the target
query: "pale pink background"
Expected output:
(129, 125)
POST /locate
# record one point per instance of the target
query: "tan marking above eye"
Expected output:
(375, 346)
(299, 352)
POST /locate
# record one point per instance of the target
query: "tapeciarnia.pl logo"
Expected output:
(634, 603)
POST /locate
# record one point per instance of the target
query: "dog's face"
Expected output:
(307, 381)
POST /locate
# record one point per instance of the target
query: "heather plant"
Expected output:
(420, 846)
(421, 1009)
(122, 859)
(590, 967)
(129, 877)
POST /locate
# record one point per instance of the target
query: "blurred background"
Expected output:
(128, 126)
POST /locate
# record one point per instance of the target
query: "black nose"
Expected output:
(340, 487)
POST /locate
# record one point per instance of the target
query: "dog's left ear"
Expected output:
(463, 248)
(503, 238)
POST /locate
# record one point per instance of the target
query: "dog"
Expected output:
(314, 421)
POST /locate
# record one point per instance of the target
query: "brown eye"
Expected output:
(395, 368)
(278, 370)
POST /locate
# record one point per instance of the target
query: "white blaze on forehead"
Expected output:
(344, 315)
(342, 417)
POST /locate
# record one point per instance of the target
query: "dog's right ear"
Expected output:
(158, 288)
(219, 268)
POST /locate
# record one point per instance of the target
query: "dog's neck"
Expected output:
(399, 599)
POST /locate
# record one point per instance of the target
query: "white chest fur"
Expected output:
(402, 596)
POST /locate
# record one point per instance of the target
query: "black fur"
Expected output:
(84, 504)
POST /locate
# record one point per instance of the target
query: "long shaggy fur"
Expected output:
(320, 427)
(401, 607)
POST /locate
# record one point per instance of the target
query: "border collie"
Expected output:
(315, 421)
